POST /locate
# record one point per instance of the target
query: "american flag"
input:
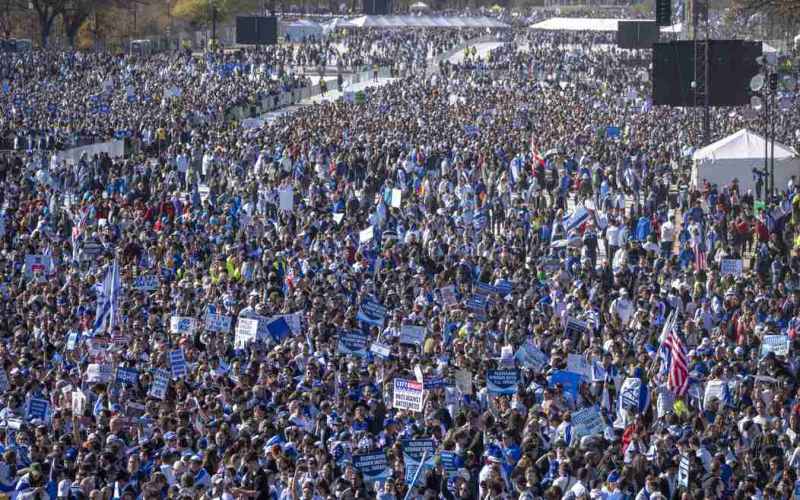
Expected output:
(674, 358)
(699, 249)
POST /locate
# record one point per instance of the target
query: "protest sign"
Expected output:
(570, 381)
(413, 335)
(78, 403)
(397, 197)
(98, 373)
(371, 313)
(715, 389)
(531, 357)
(502, 381)
(433, 382)
(40, 265)
(413, 452)
(777, 344)
(576, 363)
(503, 288)
(177, 363)
(37, 409)
(353, 343)
(182, 325)
(127, 376)
(408, 395)
(732, 267)
(158, 389)
(575, 328)
(246, 332)
(464, 381)
(683, 472)
(380, 350)
(366, 235)
(146, 283)
(449, 462)
(373, 465)
(277, 328)
(587, 422)
(448, 295)
(218, 323)
(4, 384)
(286, 199)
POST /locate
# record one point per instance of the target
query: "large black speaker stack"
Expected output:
(257, 30)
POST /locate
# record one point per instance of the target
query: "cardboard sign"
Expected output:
(371, 313)
(353, 343)
(182, 325)
(177, 363)
(408, 395)
(146, 283)
(413, 335)
(218, 323)
(733, 267)
(373, 465)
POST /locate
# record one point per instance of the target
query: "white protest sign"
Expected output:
(777, 344)
(408, 395)
(78, 403)
(286, 199)
(380, 350)
(158, 389)
(715, 389)
(683, 472)
(246, 332)
(98, 373)
(182, 325)
(397, 197)
(366, 235)
(218, 323)
(464, 381)
(733, 267)
(337, 218)
(146, 283)
(576, 363)
(412, 334)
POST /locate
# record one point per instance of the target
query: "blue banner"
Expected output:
(127, 376)
(569, 380)
(371, 312)
(373, 466)
(502, 381)
(353, 342)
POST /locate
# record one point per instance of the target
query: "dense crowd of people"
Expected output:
(495, 281)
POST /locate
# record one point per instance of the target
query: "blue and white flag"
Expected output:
(107, 315)
(633, 399)
(575, 219)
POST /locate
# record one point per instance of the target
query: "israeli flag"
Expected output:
(575, 219)
(107, 315)
(633, 399)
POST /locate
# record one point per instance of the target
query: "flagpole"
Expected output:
(416, 475)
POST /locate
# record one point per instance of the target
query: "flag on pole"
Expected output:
(674, 359)
(107, 315)
(699, 249)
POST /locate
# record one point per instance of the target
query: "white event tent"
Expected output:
(735, 157)
(423, 22)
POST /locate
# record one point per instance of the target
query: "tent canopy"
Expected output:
(301, 28)
(419, 6)
(741, 144)
(589, 24)
(737, 157)
(422, 22)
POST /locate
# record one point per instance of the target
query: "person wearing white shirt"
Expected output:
(667, 238)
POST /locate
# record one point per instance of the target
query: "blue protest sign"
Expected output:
(612, 132)
(531, 357)
(503, 288)
(484, 289)
(502, 381)
(278, 329)
(127, 376)
(413, 451)
(104, 108)
(373, 465)
(353, 342)
(6, 87)
(471, 130)
(450, 463)
(131, 99)
(434, 382)
(569, 380)
(371, 313)
(177, 363)
(37, 408)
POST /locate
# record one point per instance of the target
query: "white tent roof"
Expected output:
(743, 144)
(590, 24)
(423, 22)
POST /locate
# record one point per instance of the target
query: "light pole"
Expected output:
(764, 86)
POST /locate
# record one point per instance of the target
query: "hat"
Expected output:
(197, 458)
